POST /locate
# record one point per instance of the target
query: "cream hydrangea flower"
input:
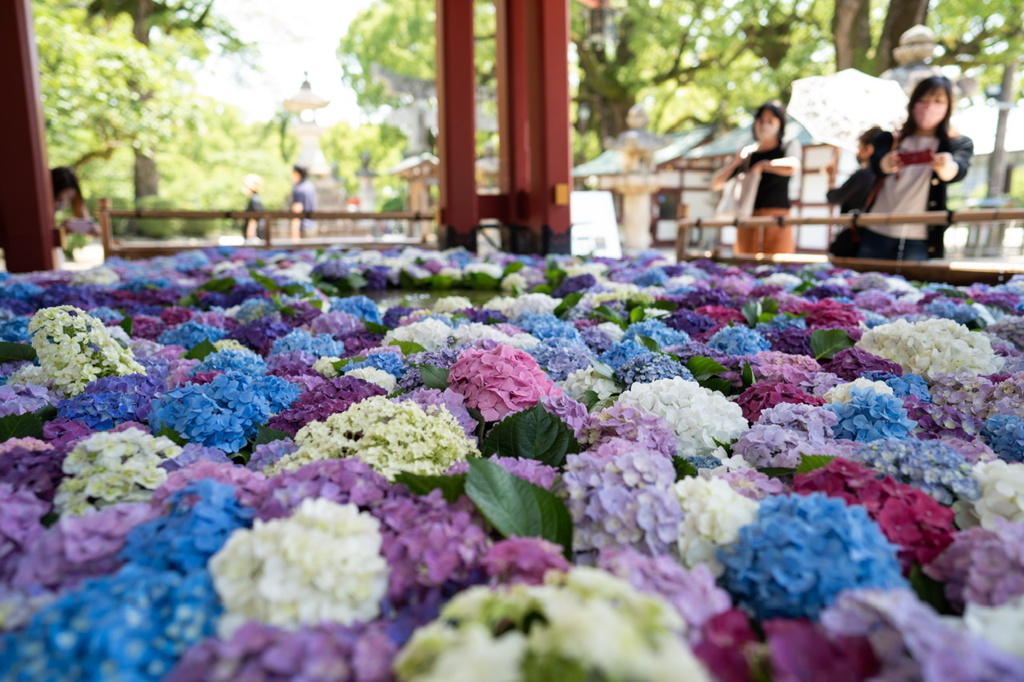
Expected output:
(375, 376)
(598, 270)
(432, 334)
(514, 283)
(841, 393)
(932, 347)
(699, 415)
(786, 280)
(614, 331)
(390, 437)
(490, 269)
(75, 348)
(29, 375)
(1001, 626)
(320, 565)
(230, 344)
(476, 332)
(450, 304)
(325, 367)
(580, 381)
(1001, 485)
(101, 276)
(713, 513)
(584, 624)
(531, 303)
(111, 467)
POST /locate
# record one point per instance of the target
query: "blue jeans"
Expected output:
(878, 246)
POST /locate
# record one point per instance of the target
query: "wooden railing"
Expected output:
(419, 230)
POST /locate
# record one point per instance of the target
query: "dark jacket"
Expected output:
(853, 193)
(962, 149)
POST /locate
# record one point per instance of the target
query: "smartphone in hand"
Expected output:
(914, 158)
(80, 225)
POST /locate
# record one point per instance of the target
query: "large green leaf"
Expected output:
(265, 434)
(684, 468)
(16, 351)
(568, 303)
(452, 487)
(703, 368)
(518, 508)
(531, 434)
(201, 350)
(825, 343)
(221, 285)
(28, 425)
(434, 377)
(408, 347)
(809, 463)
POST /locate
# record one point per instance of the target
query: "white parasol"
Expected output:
(838, 108)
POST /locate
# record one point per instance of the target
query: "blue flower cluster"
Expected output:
(575, 284)
(546, 326)
(132, 625)
(320, 345)
(935, 467)
(559, 357)
(360, 306)
(113, 400)
(232, 360)
(255, 308)
(1005, 435)
(21, 291)
(190, 334)
(902, 386)
(138, 284)
(392, 363)
(617, 355)
(873, 319)
(15, 330)
(782, 321)
(739, 341)
(801, 552)
(644, 369)
(952, 309)
(662, 334)
(105, 314)
(870, 416)
(201, 517)
(652, 277)
(225, 412)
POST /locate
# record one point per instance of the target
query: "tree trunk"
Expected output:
(147, 177)
(902, 15)
(851, 32)
(997, 163)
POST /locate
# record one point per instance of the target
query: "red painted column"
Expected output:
(514, 123)
(456, 95)
(26, 199)
(551, 159)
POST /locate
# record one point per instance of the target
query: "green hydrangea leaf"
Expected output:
(452, 487)
(531, 434)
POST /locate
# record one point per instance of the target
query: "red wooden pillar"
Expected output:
(26, 199)
(456, 88)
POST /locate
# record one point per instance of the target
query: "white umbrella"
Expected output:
(837, 108)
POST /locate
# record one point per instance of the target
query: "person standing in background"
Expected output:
(253, 228)
(67, 194)
(303, 200)
(853, 193)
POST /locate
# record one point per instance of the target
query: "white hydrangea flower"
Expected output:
(585, 620)
(598, 270)
(29, 375)
(532, 303)
(614, 331)
(383, 379)
(75, 349)
(787, 281)
(489, 269)
(713, 513)
(514, 283)
(390, 437)
(231, 344)
(1001, 485)
(320, 565)
(1001, 626)
(932, 347)
(450, 304)
(111, 467)
(432, 334)
(580, 381)
(325, 367)
(699, 415)
(101, 275)
(680, 281)
(841, 393)
(476, 331)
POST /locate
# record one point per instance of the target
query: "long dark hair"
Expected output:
(780, 113)
(925, 87)
(63, 178)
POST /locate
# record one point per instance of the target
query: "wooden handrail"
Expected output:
(246, 215)
(924, 218)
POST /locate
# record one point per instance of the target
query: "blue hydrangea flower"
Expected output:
(617, 355)
(662, 334)
(739, 341)
(782, 321)
(392, 363)
(15, 330)
(952, 309)
(652, 277)
(559, 357)
(903, 386)
(232, 360)
(935, 467)
(22, 291)
(1005, 435)
(650, 367)
(201, 517)
(546, 326)
(225, 412)
(802, 552)
(113, 400)
(320, 345)
(870, 416)
(873, 319)
(252, 309)
(360, 306)
(190, 334)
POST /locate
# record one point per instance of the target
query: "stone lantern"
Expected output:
(304, 103)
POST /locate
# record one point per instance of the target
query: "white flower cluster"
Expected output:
(75, 348)
(432, 334)
(786, 280)
(580, 381)
(390, 437)
(111, 467)
(1001, 626)
(713, 513)
(619, 291)
(231, 344)
(325, 366)
(491, 269)
(475, 332)
(375, 376)
(450, 304)
(101, 276)
(515, 283)
(1002, 495)
(932, 347)
(598, 270)
(524, 303)
(320, 565)
(841, 393)
(585, 621)
(699, 415)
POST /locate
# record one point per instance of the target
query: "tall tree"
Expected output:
(851, 34)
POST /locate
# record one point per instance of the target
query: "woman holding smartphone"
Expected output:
(916, 165)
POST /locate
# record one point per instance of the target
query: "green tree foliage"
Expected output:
(343, 144)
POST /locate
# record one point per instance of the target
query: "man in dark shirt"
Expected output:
(853, 193)
(303, 200)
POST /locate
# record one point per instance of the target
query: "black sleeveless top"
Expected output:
(773, 190)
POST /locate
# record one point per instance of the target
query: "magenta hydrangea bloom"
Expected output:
(344, 481)
(250, 486)
(763, 395)
(499, 381)
(523, 561)
(623, 420)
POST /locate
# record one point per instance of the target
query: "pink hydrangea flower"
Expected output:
(499, 381)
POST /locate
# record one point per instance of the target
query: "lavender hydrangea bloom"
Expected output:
(870, 416)
(693, 593)
(336, 324)
(192, 453)
(649, 367)
(572, 412)
(327, 398)
(784, 433)
(560, 357)
(443, 358)
(982, 566)
(23, 399)
(913, 642)
(933, 466)
(690, 321)
(343, 481)
(596, 339)
(619, 495)
(790, 340)
(752, 484)
(622, 420)
(1009, 329)
(266, 454)
(112, 400)
(969, 394)
(452, 401)
(37, 471)
(572, 285)
(20, 525)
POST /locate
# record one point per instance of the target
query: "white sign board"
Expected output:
(595, 231)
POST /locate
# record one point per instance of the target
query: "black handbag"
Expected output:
(846, 244)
